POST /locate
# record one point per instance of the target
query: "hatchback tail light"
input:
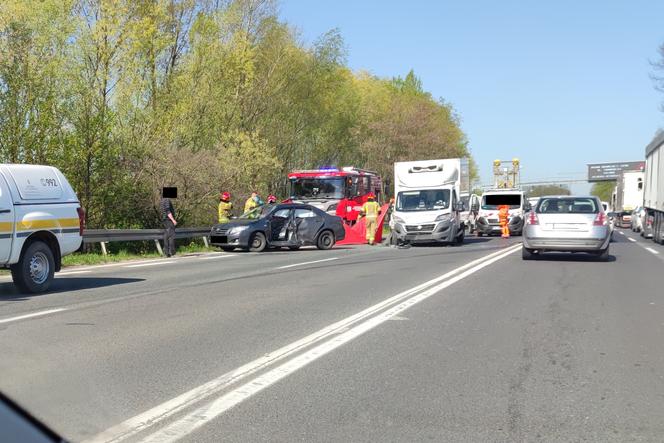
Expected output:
(532, 218)
(81, 220)
(601, 219)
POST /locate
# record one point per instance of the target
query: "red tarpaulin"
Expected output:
(357, 234)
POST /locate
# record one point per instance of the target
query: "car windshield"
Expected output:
(426, 200)
(494, 201)
(584, 205)
(317, 188)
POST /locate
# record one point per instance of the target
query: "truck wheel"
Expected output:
(325, 240)
(34, 272)
(257, 242)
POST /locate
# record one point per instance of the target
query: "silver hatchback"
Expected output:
(569, 224)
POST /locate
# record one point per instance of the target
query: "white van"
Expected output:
(41, 221)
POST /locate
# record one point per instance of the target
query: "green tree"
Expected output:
(540, 190)
(603, 190)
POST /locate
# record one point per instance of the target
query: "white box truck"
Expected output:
(627, 196)
(428, 200)
(41, 221)
(653, 197)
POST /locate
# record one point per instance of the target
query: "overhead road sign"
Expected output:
(611, 171)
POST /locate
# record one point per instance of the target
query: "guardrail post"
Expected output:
(205, 241)
(158, 245)
(103, 248)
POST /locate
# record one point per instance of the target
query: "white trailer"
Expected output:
(628, 195)
(653, 198)
(428, 200)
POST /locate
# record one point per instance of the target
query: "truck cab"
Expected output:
(41, 220)
(428, 203)
(487, 220)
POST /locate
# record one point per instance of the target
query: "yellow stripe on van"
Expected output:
(55, 223)
(6, 227)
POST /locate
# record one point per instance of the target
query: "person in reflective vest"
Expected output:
(503, 218)
(225, 207)
(370, 211)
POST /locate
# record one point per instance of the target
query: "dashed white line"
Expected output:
(652, 250)
(34, 314)
(308, 263)
(150, 264)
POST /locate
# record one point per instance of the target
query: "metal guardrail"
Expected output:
(104, 236)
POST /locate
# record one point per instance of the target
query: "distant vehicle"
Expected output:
(285, 225)
(567, 224)
(428, 205)
(340, 192)
(487, 220)
(471, 204)
(41, 221)
(627, 195)
(653, 198)
(636, 222)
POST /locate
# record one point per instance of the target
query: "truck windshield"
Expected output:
(322, 188)
(492, 202)
(429, 200)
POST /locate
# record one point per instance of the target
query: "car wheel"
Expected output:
(34, 272)
(603, 255)
(228, 248)
(257, 242)
(527, 254)
(325, 240)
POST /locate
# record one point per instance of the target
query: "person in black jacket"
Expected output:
(168, 219)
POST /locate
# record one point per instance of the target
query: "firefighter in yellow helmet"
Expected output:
(371, 210)
(225, 207)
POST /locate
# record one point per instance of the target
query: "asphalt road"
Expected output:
(364, 343)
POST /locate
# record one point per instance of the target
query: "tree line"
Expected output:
(127, 96)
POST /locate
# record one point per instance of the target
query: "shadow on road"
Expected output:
(572, 257)
(9, 292)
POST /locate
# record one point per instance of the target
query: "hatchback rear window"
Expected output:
(568, 206)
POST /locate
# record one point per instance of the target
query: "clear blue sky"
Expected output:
(557, 83)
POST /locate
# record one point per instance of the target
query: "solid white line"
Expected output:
(217, 256)
(154, 416)
(308, 263)
(34, 314)
(150, 264)
(199, 417)
(652, 250)
(73, 272)
(631, 239)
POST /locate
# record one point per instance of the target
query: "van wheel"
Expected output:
(34, 272)
(325, 240)
(257, 242)
(527, 254)
(603, 255)
(461, 237)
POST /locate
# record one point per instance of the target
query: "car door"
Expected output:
(308, 223)
(279, 227)
(6, 221)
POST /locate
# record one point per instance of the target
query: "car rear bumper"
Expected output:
(595, 240)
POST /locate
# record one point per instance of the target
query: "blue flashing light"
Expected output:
(328, 169)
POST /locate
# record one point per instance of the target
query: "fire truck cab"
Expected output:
(341, 192)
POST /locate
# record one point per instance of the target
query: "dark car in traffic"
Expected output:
(274, 226)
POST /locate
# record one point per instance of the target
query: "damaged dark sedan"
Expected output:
(279, 226)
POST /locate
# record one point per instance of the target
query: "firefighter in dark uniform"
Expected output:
(168, 219)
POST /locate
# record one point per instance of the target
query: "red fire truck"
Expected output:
(337, 191)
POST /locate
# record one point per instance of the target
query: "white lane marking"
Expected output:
(308, 263)
(150, 264)
(217, 256)
(652, 250)
(73, 272)
(631, 239)
(139, 423)
(199, 417)
(34, 314)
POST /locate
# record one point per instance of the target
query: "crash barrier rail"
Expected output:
(103, 236)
